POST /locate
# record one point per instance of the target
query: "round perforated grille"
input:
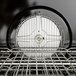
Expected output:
(38, 32)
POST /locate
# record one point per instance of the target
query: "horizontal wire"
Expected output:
(55, 63)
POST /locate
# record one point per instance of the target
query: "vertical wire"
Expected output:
(54, 66)
(23, 66)
(63, 64)
(71, 62)
(6, 60)
(36, 67)
(46, 67)
(40, 31)
(11, 64)
(27, 67)
(51, 32)
(19, 64)
(30, 46)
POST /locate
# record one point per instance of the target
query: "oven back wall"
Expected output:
(66, 7)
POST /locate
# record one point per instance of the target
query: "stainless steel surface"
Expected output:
(51, 61)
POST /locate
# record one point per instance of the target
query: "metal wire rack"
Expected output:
(16, 63)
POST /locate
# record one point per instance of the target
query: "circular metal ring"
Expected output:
(22, 13)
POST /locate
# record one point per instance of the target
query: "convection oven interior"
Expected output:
(38, 45)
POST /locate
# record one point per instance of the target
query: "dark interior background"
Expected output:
(9, 8)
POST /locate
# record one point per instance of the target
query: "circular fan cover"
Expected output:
(38, 32)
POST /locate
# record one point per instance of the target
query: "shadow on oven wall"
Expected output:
(8, 10)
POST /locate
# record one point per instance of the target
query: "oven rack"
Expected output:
(16, 63)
